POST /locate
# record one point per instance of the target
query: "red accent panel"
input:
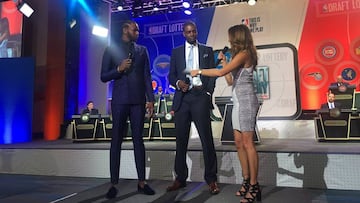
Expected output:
(329, 46)
(9, 10)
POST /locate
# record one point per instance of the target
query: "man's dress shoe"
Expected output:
(176, 185)
(112, 192)
(213, 188)
(147, 190)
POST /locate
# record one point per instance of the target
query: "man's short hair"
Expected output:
(127, 23)
(189, 22)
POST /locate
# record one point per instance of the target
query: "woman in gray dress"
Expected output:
(239, 73)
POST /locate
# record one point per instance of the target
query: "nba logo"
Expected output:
(245, 21)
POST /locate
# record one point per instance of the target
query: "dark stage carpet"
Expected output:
(39, 189)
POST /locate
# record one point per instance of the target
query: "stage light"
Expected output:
(170, 9)
(251, 2)
(186, 4)
(137, 13)
(156, 6)
(187, 12)
(100, 31)
(25, 9)
(72, 23)
(137, 9)
(201, 4)
(120, 8)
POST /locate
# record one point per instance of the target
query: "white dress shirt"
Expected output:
(331, 105)
(195, 81)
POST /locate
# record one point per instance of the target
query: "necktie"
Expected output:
(189, 64)
(195, 81)
(190, 61)
(332, 105)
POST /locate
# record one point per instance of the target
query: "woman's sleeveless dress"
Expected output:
(245, 102)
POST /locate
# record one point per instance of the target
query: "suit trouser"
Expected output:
(195, 107)
(120, 114)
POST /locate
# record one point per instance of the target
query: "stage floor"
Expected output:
(285, 145)
(291, 161)
(275, 136)
(41, 189)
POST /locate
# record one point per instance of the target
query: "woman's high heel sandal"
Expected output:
(244, 188)
(253, 195)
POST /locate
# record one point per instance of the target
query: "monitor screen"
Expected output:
(11, 23)
(356, 102)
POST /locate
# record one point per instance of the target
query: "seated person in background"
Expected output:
(339, 82)
(160, 90)
(331, 103)
(90, 109)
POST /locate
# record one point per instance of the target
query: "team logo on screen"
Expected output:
(317, 76)
(348, 74)
(313, 76)
(348, 70)
(162, 65)
(329, 52)
(355, 49)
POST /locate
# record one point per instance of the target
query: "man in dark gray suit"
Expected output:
(127, 64)
(90, 109)
(193, 102)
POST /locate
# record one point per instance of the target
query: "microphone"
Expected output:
(225, 49)
(130, 56)
(187, 81)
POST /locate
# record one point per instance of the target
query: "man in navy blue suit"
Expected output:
(331, 103)
(193, 102)
(127, 64)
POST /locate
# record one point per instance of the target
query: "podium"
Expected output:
(225, 106)
(339, 124)
(85, 127)
(162, 125)
(344, 95)
(333, 124)
(105, 132)
(97, 128)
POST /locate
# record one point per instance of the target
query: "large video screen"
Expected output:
(11, 21)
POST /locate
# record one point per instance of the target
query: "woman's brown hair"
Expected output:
(240, 39)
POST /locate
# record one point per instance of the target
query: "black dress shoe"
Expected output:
(112, 192)
(147, 190)
(176, 185)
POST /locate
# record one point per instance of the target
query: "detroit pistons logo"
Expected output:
(329, 52)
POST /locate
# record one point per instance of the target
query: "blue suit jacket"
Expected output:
(178, 65)
(133, 86)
